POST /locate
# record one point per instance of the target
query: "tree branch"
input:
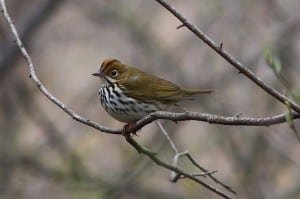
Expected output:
(214, 119)
(205, 173)
(229, 58)
(161, 163)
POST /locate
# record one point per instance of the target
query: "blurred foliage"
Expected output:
(272, 61)
(46, 154)
(296, 95)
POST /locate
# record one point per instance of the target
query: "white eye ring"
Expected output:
(114, 73)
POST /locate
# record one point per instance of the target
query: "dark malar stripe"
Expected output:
(105, 95)
(108, 92)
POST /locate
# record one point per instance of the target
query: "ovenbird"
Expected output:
(129, 94)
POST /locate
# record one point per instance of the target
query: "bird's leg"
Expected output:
(128, 129)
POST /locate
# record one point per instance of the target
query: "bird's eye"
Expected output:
(114, 73)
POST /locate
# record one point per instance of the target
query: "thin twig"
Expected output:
(202, 174)
(210, 175)
(176, 176)
(154, 158)
(163, 130)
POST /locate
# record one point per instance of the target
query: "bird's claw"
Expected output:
(128, 130)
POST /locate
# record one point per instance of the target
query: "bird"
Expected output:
(129, 94)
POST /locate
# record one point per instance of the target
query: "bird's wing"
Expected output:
(149, 88)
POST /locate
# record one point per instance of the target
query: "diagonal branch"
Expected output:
(220, 50)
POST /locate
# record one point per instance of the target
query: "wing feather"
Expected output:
(149, 88)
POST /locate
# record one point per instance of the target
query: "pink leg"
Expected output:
(128, 130)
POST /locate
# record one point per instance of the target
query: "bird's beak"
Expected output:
(97, 74)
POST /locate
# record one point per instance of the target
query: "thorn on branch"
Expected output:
(221, 46)
(180, 26)
(30, 76)
(238, 114)
(2, 11)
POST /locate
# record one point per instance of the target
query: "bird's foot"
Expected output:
(128, 130)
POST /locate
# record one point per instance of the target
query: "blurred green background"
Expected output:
(46, 154)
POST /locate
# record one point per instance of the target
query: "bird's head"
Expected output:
(112, 71)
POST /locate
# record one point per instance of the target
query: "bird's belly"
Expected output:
(123, 108)
(125, 116)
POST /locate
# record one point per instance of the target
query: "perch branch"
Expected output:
(214, 119)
